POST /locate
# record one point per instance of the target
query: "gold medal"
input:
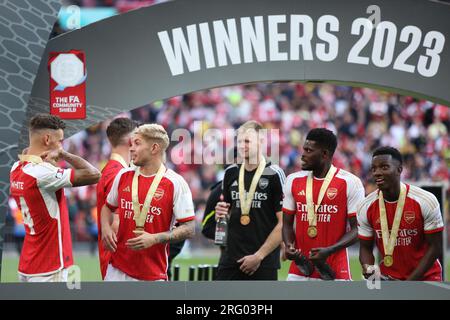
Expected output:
(390, 238)
(312, 232)
(140, 216)
(388, 261)
(246, 199)
(245, 220)
(311, 207)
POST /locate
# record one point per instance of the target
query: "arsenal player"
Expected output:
(322, 200)
(404, 222)
(37, 185)
(251, 199)
(119, 135)
(148, 198)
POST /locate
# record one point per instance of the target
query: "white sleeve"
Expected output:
(49, 177)
(278, 188)
(431, 213)
(183, 206)
(113, 195)
(355, 195)
(288, 200)
(365, 230)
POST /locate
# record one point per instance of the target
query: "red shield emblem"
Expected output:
(409, 217)
(331, 193)
(159, 193)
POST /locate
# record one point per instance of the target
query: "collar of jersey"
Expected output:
(152, 175)
(30, 158)
(391, 202)
(268, 164)
(143, 175)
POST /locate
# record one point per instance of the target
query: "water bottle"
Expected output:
(221, 235)
(325, 271)
(303, 264)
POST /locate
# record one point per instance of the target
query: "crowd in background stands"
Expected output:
(362, 118)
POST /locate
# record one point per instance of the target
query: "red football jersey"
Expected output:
(104, 185)
(37, 188)
(340, 202)
(172, 201)
(421, 215)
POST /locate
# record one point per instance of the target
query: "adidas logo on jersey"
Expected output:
(127, 189)
(302, 193)
(234, 184)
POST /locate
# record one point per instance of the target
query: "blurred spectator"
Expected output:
(19, 228)
(362, 118)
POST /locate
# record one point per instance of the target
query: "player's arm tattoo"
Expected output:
(184, 231)
(85, 173)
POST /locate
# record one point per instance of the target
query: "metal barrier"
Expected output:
(204, 272)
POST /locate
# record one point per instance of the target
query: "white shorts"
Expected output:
(296, 277)
(60, 276)
(114, 274)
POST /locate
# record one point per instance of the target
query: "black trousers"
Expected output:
(225, 273)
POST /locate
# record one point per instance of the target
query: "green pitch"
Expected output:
(90, 270)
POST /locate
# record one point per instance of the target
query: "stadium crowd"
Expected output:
(362, 118)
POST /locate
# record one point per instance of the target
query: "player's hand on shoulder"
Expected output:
(52, 156)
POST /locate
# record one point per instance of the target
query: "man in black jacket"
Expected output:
(208, 221)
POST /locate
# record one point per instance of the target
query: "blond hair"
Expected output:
(250, 125)
(154, 132)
